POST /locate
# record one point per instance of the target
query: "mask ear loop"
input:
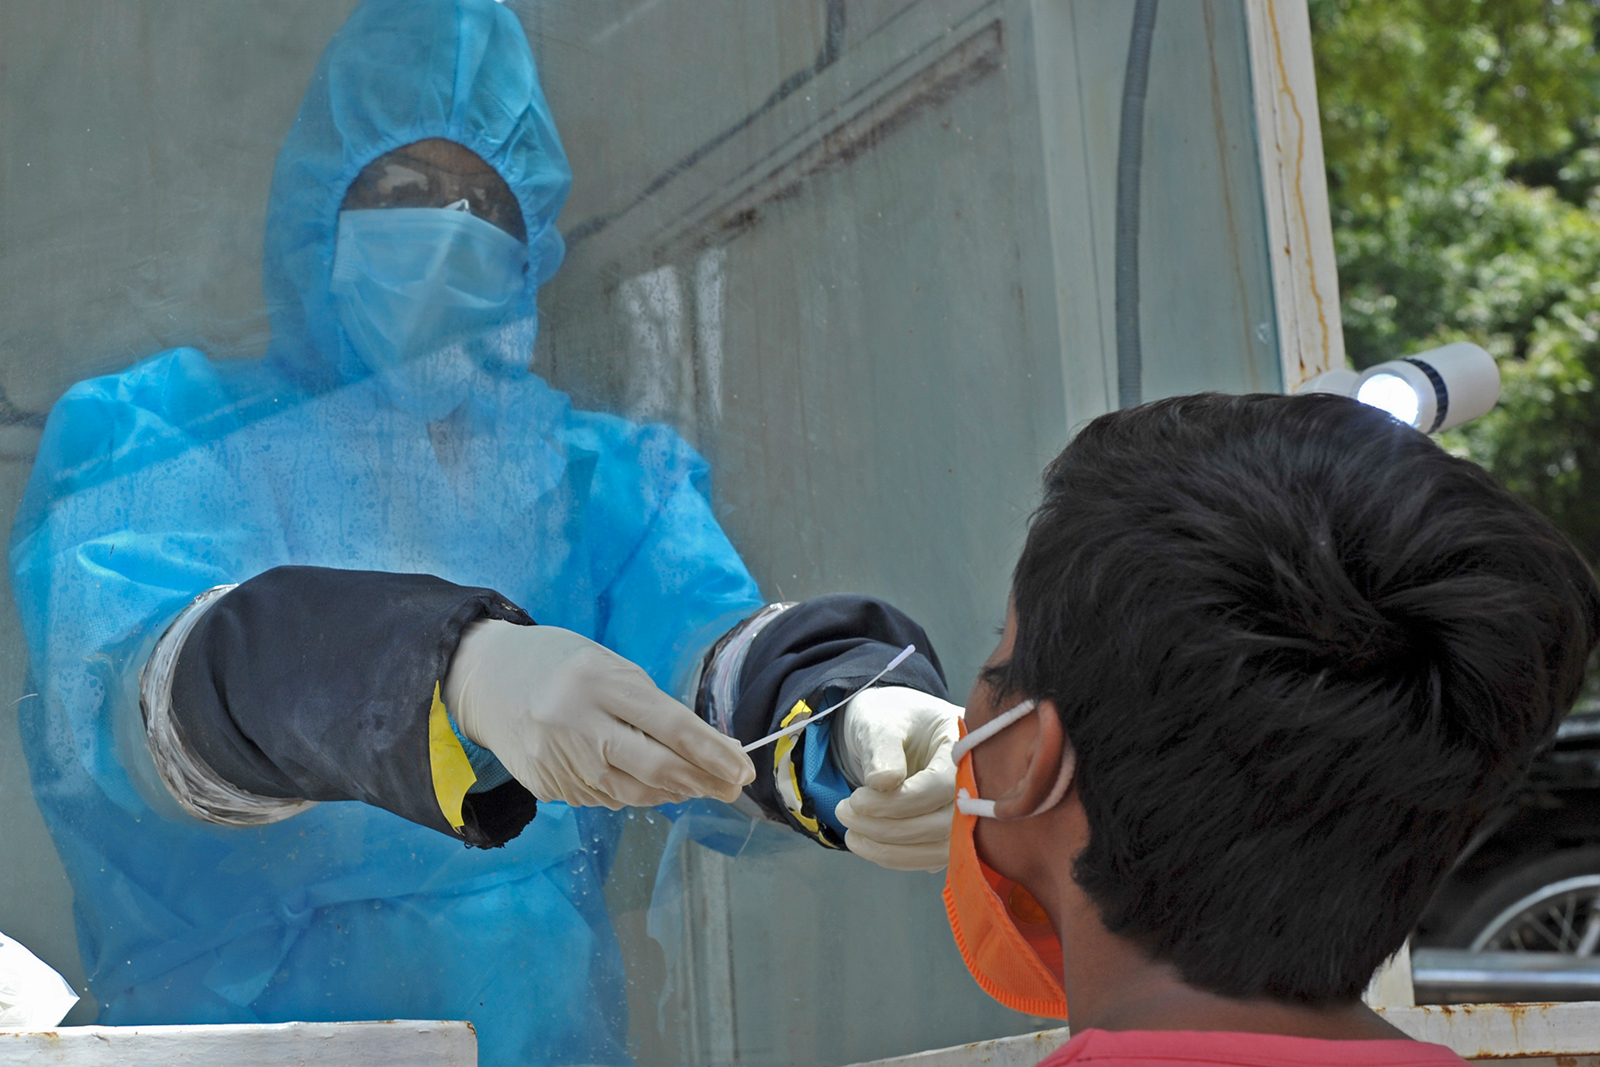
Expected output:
(1069, 763)
(967, 804)
(977, 737)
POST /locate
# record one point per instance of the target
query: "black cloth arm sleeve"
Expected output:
(317, 684)
(817, 651)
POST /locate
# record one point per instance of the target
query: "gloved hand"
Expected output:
(573, 721)
(894, 744)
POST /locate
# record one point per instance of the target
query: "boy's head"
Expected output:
(1299, 652)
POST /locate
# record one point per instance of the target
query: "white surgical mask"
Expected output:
(413, 286)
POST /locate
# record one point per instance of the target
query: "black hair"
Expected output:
(1301, 652)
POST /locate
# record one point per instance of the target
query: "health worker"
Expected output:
(302, 627)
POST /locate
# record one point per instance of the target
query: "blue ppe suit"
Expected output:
(181, 474)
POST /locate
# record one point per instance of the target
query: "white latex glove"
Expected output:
(894, 744)
(573, 721)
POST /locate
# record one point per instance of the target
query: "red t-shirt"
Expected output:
(1191, 1048)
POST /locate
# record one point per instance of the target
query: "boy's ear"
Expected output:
(1050, 768)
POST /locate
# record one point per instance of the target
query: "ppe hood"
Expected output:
(402, 71)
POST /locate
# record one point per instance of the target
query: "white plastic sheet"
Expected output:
(32, 995)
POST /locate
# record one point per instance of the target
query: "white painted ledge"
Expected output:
(1561, 1035)
(1024, 1050)
(397, 1043)
(1503, 1031)
(1535, 1035)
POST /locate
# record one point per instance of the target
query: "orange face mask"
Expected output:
(1005, 937)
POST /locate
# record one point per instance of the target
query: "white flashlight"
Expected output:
(1433, 390)
(1396, 394)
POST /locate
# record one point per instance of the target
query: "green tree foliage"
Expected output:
(1463, 148)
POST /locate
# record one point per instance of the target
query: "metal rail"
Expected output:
(1458, 976)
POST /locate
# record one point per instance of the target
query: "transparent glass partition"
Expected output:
(860, 253)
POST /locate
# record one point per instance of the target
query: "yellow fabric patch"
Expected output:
(452, 771)
(784, 775)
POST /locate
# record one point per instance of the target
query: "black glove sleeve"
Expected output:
(317, 684)
(817, 652)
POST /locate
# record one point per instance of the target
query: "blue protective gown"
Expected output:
(182, 473)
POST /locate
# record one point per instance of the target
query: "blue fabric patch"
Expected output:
(485, 764)
(822, 781)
